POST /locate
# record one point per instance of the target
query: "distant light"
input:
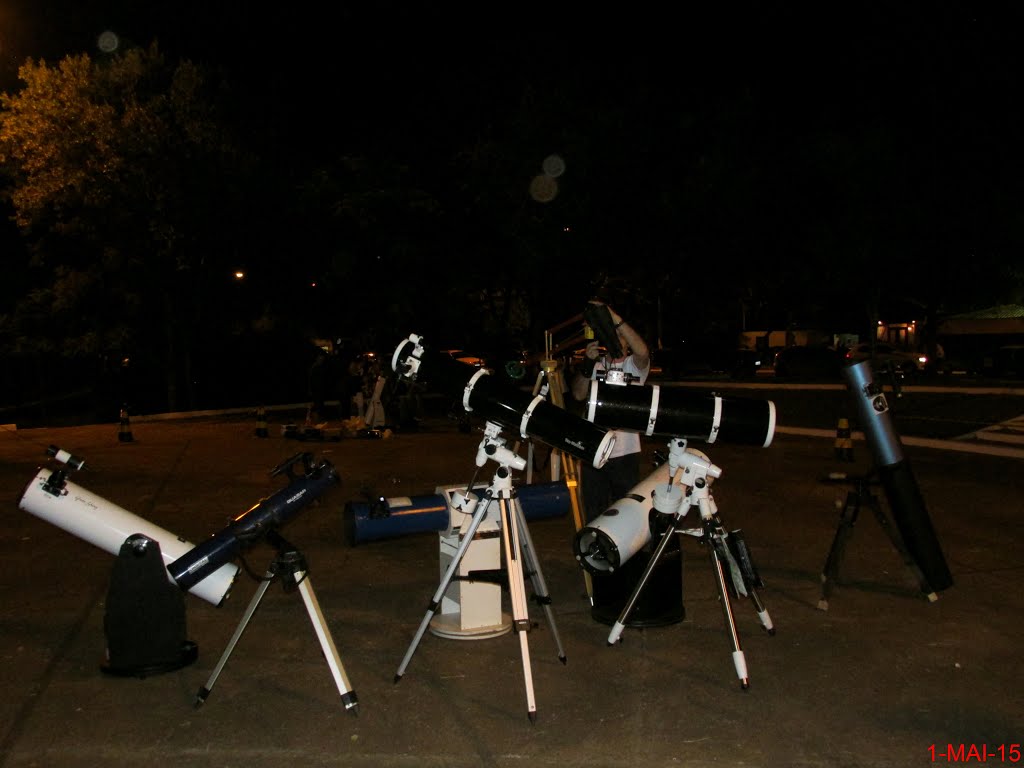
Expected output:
(239, 275)
(543, 189)
(108, 41)
(554, 166)
(313, 284)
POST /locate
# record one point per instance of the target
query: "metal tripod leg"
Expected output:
(204, 692)
(718, 554)
(540, 588)
(847, 519)
(517, 592)
(830, 573)
(348, 696)
(745, 579)
(435, 601)
(620, 623)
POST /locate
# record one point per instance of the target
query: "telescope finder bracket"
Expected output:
(56, 483)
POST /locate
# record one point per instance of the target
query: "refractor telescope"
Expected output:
(497, 401)
(264, 516)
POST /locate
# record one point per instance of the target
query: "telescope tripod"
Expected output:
(520, 557)
(551, 376)
(860, 494)
(725, 550)
(290, 567)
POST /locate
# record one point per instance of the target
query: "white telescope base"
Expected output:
(470, 610)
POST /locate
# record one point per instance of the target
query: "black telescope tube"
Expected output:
(676, 412)
(497, 400)
(599, 317)
(267, 514)
(897, 478)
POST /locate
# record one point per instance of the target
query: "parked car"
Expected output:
(817, 362)
(883, 355)
(1006, 362)
(704, 359)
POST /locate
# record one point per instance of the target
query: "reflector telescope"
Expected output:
(897, 478)
(497, 401)
(607, 542)
(50, 496)
(677, 412)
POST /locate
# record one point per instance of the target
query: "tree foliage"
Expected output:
(121, 182)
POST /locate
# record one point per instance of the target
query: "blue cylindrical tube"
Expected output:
(897, 478)
(389, 518)
(266, 514)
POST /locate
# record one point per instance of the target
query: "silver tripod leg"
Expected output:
(348, 696)
(517, 592)
(627, 609)
(204, 692)
(540, 588)
(435, 601)
(717, 549)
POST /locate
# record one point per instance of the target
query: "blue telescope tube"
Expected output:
(251, 525)
(405, 515)
(897, 478)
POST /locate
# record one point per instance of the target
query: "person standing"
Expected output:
(662, 603)
(602, 487)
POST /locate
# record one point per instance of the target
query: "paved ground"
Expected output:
(883, 678)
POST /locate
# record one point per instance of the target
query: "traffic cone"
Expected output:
(261, 422)
(124, 432)
(844, 442)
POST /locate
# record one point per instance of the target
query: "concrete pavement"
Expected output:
(883, 678)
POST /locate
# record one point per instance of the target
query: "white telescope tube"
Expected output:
(608, 541)
(103, 523)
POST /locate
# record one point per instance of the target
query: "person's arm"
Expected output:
(638, 347)
(581, 381)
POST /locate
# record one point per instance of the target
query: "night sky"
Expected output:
(352, 69)
(634, 97)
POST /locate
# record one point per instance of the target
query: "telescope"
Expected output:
(606, 543)
(676, 412)
(500, 402)
(204, 570)
(386, 518)
(897, 477)
(266, 515)
(50, 496)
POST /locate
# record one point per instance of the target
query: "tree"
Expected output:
(121, 182)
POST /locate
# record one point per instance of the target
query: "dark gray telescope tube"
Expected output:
(894, 472)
